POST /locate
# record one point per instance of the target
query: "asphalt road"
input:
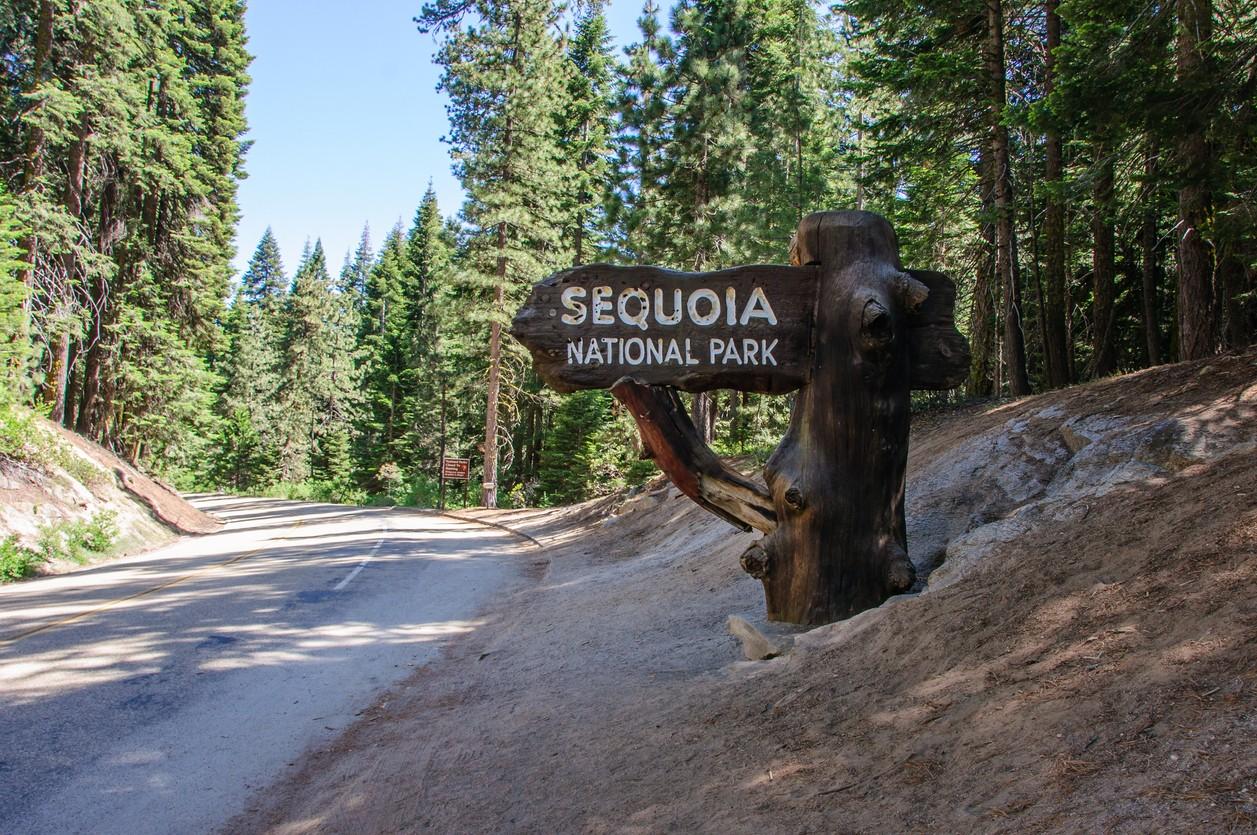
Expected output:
(155, 693)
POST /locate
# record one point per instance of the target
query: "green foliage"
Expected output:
(23, 439)
(587, 452)
(14, 321)
(16, 560)
(316, 491)
(77, 540)
(123, 132)
(319, 390)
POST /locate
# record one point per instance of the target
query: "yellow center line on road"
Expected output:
(13, 639)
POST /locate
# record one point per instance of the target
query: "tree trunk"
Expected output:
(1014, 350)
(35, 146)
(53, 392)
(1196, 315)
(1104, 293)
(1150, 263)
(489, 486)
(983, 306)
(1055, 350)
(833, 507)
(840, 545)
(1231, 280)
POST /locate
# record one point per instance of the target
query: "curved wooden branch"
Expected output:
(672, 441)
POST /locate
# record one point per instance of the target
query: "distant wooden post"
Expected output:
(846, 325)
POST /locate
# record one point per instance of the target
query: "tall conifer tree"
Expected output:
(503, 72)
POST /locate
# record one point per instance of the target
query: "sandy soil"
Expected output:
(1084, 659)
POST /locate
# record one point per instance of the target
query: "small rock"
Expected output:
(1072, 439)
(755, 645)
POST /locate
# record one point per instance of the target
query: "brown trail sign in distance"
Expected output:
(846, 325)
(456, 469)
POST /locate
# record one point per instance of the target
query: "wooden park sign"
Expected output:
(846, 326)
(456, 469)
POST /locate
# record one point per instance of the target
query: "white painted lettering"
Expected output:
(670, 318)
(632, 294)
(689, 355)
(627, 348)
(713, 311)
(767, 352)
(575, 351)
(731, 305)
(674, 353)
(601, 304)
(579, 311)
(654, 352)
(714, 347)
(731, 353)
(758, 308)
(750, 352)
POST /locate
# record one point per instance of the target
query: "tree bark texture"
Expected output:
(1104, 288)
(1014, 350)
(1056, 347)
(1196, 315)
(489, 485)
(37, 142)
(985, 290)
(1150, 261)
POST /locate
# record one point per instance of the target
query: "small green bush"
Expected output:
(77, 539)
(17, 561)
(100, 532)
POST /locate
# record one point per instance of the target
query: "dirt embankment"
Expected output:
(70, 477)
(1083, 658)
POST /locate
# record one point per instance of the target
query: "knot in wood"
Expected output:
(756, 562)
(794, 498)
(876, 325)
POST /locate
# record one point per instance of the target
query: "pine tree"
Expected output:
(504, 76)
(264, 281)
(427, 270)
(356, 271)
(635, 212)
(253, 366)
(386, 360)
(710, 140)
(14, 328)
(586, 132)
(319, 392)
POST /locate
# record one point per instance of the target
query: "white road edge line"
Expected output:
(370, 556)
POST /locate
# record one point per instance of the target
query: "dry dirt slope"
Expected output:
(1084, 659)
(69, 477)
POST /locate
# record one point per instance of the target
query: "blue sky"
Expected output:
(346, 122)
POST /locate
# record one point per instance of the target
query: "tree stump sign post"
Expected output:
(845, 325)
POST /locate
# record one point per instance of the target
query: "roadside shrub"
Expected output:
(317, 491)
(98, 533)
(77, 539)
(16, 560)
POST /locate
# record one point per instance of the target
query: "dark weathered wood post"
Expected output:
(837, 478)
(833, 510)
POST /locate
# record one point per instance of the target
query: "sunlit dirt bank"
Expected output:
(1082, 657)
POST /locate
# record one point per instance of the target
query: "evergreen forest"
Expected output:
(1086, 170)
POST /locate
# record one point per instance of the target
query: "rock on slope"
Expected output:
(1084, 658)
(81, 479)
